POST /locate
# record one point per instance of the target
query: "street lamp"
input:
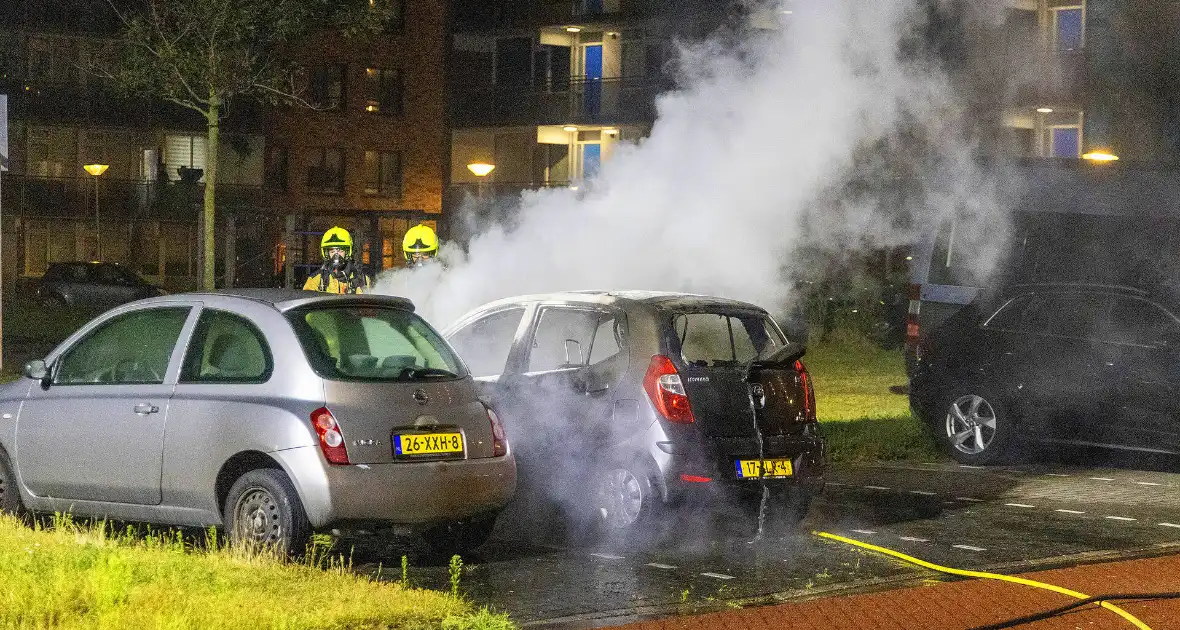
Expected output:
(480, 170)
(1100, 155)
(96, 170)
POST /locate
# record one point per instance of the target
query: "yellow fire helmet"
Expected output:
(420, 239)
(336, 237)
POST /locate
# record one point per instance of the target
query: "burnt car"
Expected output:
(621, 404)
(1064, 364)
(96, 285)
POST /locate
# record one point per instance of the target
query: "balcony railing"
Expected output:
(580, 101)
(74, 197)
(478, 14)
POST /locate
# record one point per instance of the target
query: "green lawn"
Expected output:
(81, 576)
(861, 419)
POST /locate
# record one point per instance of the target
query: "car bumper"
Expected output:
(685, 475)
(403, 493)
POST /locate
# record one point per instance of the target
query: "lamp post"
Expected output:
(96, 170)
(481, 170)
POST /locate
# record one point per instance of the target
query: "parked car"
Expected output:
(270, 412)
(91, 285)
(1056, 363)
(621, 403)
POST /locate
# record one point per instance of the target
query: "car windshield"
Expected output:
(373, 343)
(711, 339)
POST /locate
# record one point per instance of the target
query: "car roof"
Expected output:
(287, 299)
(669, 300)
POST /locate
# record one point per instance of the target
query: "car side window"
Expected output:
(562, 339)
(1137, 322)
(133, 347)
(610, 338)
(485, 343)
(226, 348)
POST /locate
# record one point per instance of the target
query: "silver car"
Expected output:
(272, 413)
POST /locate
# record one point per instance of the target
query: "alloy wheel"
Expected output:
(970, 424)
(619, 500)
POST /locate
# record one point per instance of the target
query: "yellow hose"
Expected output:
(990, 576)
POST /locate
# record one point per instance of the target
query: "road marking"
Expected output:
(1071, 511)
(971, 467)
(913, 539)
(606, 556)
(1055, 475)
(719, 576)
(657, 565)
(971, 499)
(1148, 483)
(867, 532)
(876, 487)
(1169, 525)
(925, 493)
(1120, 518)
(1020, 505)
(1101, 479)
(836, 483)
(969, 548)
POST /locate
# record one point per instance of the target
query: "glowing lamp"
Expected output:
(481, 169)
(96, 169)
(1100, 155)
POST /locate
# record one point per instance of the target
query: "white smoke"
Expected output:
(715, 199)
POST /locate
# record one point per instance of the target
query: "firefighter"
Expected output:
(420, 245)
(340, 273)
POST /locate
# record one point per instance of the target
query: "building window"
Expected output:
(276, 168)
(383, 91)
(383, 173)
(1068, 28)
(184, 152)
(327, 86)
(325, 171)
(1065, 142)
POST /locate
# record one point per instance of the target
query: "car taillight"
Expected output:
(808, 392)
(499, 441)
(662, 384)
(911, 318)
(331, 439)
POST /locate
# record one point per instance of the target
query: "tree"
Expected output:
(202, 54)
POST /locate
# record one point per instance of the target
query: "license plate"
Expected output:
(747, 468)
(427, 443)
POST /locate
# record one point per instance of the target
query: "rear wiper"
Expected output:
(415, 373)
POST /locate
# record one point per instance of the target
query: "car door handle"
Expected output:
(144, 409)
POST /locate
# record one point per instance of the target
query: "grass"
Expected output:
(71, 575)
(861, 419)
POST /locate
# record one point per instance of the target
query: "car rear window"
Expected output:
(373, 343)
(719, 339)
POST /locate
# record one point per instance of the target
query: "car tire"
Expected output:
(623, 500)
(54, 302)
(263, 510)
(10, 501)
(974, 427)
(460, 537)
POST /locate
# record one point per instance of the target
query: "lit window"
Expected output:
(1065, 142)
(1068, 28)
(383, 91)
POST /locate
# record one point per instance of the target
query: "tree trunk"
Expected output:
(209, 255)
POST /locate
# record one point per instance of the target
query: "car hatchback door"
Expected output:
(96, 432)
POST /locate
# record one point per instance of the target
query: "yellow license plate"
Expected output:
(764, 468)
(427, 443)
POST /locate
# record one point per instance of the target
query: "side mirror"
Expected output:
(37, 370)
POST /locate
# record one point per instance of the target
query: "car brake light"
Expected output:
(499, 441)
(808, 392)
(911, 318)
(662, 384)
(331, 439)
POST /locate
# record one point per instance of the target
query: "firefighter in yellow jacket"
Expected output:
(340, 273)
(420, 245)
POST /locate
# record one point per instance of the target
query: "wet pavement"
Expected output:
(1008, 520)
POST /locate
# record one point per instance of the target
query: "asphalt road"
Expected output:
(1006, 519)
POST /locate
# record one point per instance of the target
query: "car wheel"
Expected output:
(622, 499)
(53, 302)
(264, 510)
(975, 428)
(10, 501)
(460, 537)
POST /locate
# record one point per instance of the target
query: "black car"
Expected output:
(1068, 364)
(623, 403)
(96, 285)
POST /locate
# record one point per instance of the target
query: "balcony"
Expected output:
(31, 196)
(477, 15)
(585, 102)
